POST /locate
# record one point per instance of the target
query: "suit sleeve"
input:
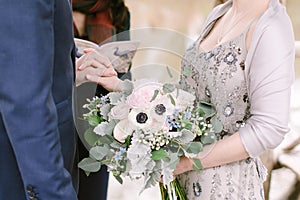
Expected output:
(27, 105)
(271, 74)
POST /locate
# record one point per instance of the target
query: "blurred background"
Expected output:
(186, 17)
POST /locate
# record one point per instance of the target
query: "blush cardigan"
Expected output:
(269, 74)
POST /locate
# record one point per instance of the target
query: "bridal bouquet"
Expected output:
(142, 132)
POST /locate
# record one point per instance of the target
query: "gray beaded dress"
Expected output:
(218, 77)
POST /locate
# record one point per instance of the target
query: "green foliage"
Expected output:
(217, 124)
(93, 120)
(99, 152)
(90, 137)
(208, 138)
(159, 154)
(89, 165)
(156, 92)
(186, 136)
(168, 88)
(169, 72)
(197, 166)
(193, 147)
(187, 71)
(172, 99)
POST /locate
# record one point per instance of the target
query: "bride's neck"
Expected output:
(241, 6)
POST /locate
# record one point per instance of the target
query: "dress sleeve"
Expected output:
(270, 76)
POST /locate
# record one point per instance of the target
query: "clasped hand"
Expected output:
(93, 67)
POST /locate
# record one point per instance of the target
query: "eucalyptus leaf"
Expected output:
(99, 152)
(186, 136)
(217, 124)
(90, 137)
(197, 166)
(106, 139)
(168, 88)
(89, 165)
(208, 109)
(187, 71)
(208, 138)
(193, 147)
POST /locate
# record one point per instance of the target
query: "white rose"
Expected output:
(119, 111)
(122, 131)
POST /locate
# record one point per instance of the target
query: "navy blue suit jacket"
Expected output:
(37, 139)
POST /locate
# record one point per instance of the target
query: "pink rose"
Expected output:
(142, 94)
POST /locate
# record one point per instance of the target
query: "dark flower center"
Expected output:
(160, 109)
(141, 118)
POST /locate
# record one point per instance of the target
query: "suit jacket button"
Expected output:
(29, 188)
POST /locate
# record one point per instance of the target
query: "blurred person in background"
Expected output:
(99, 21)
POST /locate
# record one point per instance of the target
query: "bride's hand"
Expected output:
(185, 164)
(107, 80)
(92, 64)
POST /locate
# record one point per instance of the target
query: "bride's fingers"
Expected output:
(93, 63)
(93, 59)
(109, 72)
(88, 50)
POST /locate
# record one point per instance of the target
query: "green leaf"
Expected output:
(217, 124)
(207, 109)
(93, 120)
(90, 137)
(154, 95)
(187, 71)
(159, 154)
(193, 147)
(119, 179)
(169, 72)
(172, 99)
(186, 136)
(99, 152)
(186, 124)
(106, 139)
(197, 166)
(89, 165)
(168, 88)
(208, 138)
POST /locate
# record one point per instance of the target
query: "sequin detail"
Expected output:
(217, 77)
(228, 110)
(197, 189)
